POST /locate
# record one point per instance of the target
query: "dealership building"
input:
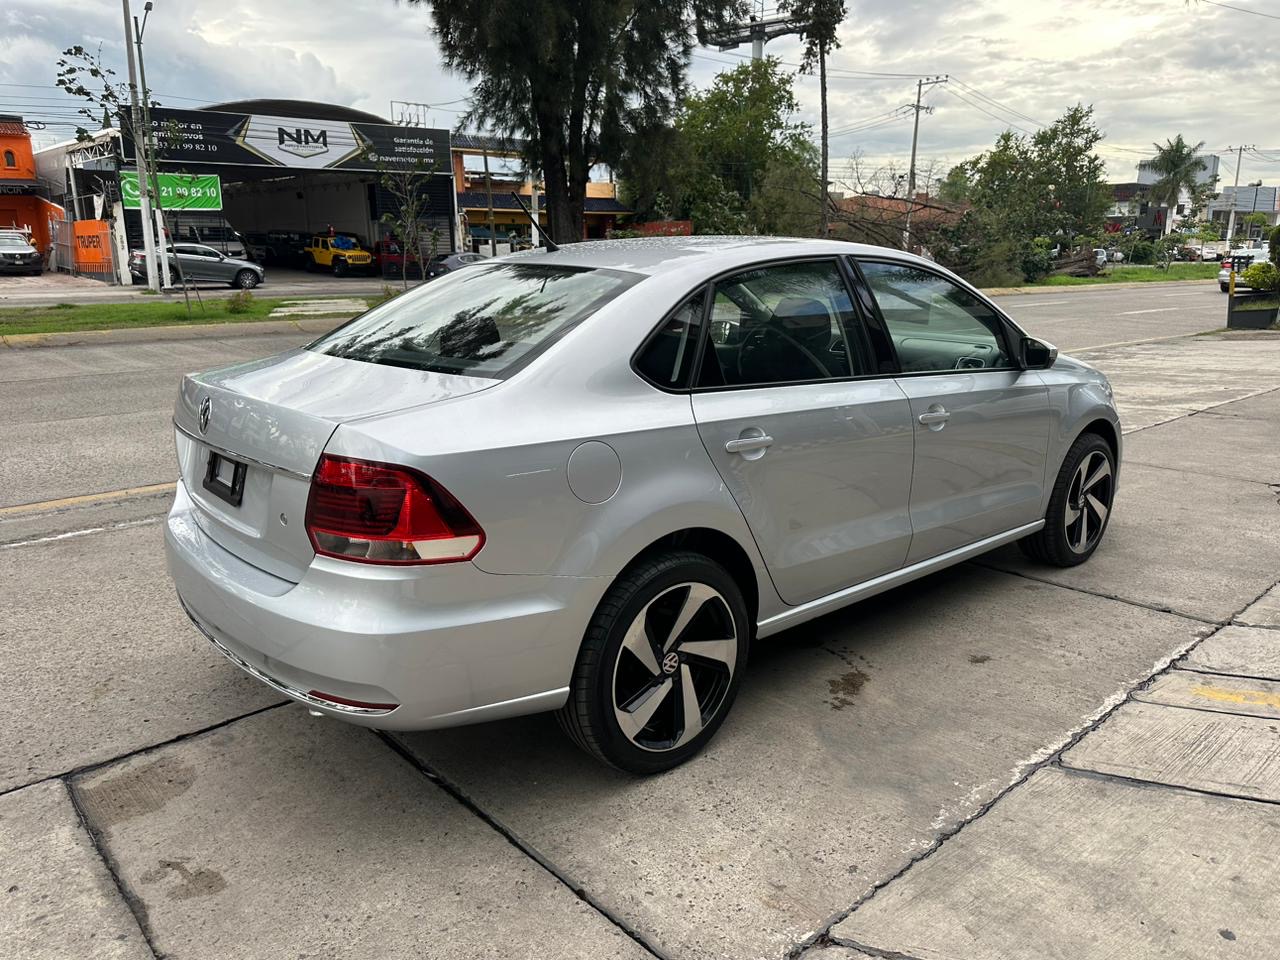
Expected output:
(257, 168)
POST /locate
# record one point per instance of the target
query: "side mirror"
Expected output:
(1038, 355)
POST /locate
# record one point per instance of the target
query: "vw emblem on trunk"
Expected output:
(206, 407)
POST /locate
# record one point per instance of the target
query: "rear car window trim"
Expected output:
(626, 280)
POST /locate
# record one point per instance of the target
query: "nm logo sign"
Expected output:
(310, 144)
(302, 142)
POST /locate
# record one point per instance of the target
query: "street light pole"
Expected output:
(135, 122)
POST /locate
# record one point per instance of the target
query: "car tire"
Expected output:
(339, 267)
(633, 684)
(1079, 506)
(1225, 288)
(245, 280)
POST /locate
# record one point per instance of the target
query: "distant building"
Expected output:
(1132, 207)
(23, 198)
(1245, 200)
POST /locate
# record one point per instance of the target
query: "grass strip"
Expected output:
(68, 317)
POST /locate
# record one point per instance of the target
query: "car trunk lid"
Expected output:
(249, 437)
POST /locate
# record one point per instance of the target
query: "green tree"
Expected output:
(734, 160)
(576, 80)
(1255, 219)
(822, 19)
(1048, 185)
(1178, 165)
(743, 119)
(955, 186)
(789, 201)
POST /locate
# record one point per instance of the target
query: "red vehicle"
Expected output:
(388, 259)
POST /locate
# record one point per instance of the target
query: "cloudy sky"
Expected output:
(1151, 68)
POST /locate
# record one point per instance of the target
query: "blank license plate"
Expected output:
(224, 478)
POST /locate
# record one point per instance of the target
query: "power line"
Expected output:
(996, 103)
(1227, 6)
(983, 109)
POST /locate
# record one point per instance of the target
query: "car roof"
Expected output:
(654, 255)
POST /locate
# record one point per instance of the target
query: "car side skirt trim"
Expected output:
(832, 602)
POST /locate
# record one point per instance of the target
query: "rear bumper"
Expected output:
(448, 645)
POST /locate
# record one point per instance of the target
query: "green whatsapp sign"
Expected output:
(178, 191)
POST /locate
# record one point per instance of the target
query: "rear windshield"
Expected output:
(485, 321)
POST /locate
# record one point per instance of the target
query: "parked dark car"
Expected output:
(19, 256)
(443, 263)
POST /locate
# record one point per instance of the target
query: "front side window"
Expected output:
(784, 323)
(935, 324)
(484, 322)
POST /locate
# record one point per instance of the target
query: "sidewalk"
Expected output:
(1153, 834)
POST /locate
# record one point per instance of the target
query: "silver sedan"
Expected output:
(585, 480)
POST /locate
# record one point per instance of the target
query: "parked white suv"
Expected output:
(1241, 259)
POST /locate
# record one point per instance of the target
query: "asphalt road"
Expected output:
(974, 766)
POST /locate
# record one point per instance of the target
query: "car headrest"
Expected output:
(805, 319)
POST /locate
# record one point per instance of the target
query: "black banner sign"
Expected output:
(208, 137)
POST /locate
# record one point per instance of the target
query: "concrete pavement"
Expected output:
(978, 765)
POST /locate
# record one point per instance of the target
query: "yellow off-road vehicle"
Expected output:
(340, 253)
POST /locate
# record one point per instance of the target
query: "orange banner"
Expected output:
(92, 239)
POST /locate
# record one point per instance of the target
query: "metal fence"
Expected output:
(84, 248)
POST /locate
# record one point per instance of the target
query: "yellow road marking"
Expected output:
(87, 499)
(1255, 697)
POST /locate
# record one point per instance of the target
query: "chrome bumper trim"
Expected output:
(285, 688)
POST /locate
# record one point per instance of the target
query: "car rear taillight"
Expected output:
(381, 513)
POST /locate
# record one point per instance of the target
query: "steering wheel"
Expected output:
(757, 339)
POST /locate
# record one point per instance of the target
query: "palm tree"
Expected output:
(1178, 163)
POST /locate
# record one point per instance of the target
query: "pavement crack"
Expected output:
(868, 949)
(1130, 462)
(1158, 785)
(131, 900)
(81, 770)
(1155, 607)
(458, 794)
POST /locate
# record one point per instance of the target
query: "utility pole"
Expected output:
(153, 184)
(135, 123)
(535, 232)
(488, 189)
(1235, 189)
(915, 140)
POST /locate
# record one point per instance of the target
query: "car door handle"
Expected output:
(934, 417)
(748, 444)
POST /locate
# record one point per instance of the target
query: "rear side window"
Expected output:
(669, 355)
(784, 323)
(935, 324)
(484, 322)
